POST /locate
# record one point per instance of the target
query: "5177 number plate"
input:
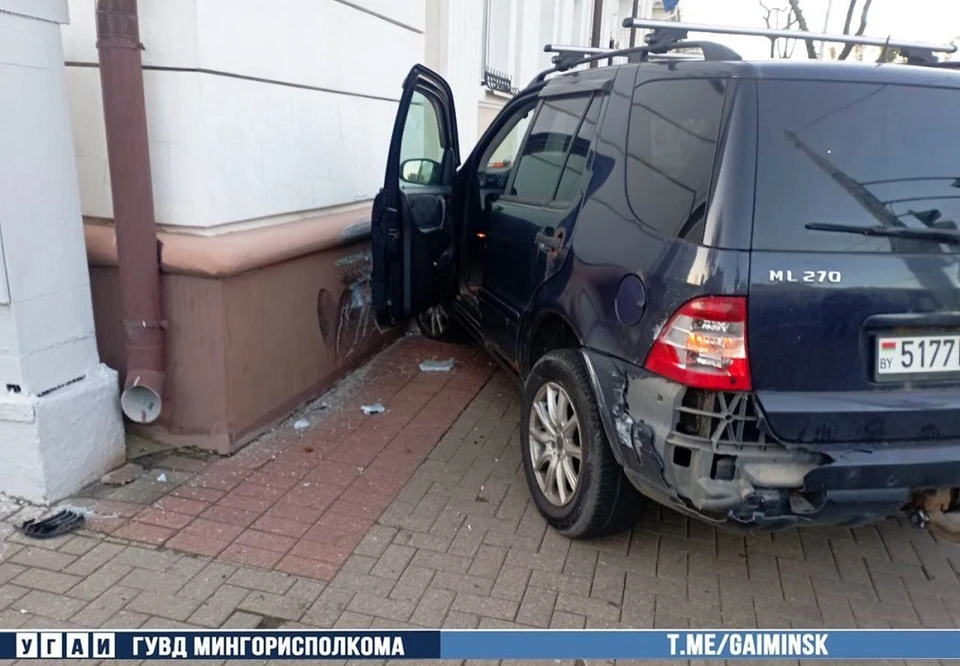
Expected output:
(918, 355)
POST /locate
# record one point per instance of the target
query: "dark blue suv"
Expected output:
(731, 287)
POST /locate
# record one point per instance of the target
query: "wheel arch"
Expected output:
(547, 330)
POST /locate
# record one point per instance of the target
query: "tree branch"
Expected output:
(802, 22)
(847, 49)
(847, 23)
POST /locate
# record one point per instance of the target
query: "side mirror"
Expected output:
(420, 171)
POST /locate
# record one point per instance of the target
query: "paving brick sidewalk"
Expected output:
(300, 500)
(462, 546)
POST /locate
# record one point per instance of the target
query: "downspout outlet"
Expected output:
(142, 397)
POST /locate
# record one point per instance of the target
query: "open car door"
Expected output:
(414, 240)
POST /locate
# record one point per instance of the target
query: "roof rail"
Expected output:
(569, 57)
(669, 35)
(671, 31)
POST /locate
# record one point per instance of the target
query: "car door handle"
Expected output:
(548, 242)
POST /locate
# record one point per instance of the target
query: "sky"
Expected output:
(936, 21)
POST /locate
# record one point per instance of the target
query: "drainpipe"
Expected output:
(124, 110)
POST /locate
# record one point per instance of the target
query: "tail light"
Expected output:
(704, 345)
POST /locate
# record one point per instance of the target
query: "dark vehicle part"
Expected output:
(878, 211)
(935, 235)
(670, 31)
(651, 219)
(666, 36)
(596, 497)
(53, 526)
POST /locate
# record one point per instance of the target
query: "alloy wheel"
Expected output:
(555, 448)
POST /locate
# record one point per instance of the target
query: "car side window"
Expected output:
(671, 147)
(545, 150)
(572, 176)
(423, 145)
(501, 155)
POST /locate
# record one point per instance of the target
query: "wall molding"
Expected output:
(237, 252)
(243, 77)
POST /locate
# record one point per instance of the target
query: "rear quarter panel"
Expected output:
(609, 243)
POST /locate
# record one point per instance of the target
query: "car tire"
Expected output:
(602, 501)
(437, 324)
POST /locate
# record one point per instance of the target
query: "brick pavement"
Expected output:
(299, 501)
(461, 545)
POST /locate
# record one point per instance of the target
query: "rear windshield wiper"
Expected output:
(936, 235)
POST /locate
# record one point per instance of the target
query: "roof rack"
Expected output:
(658, 44)
(669, 35)
(671, 32)
(568, 56)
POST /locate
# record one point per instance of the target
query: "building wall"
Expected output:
(263, 113)
(46, 322)
(467, 37)
(269, 125)
(256, 111)
(60, 422)
(246, 347)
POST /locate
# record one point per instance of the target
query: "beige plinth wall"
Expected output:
(258, 322)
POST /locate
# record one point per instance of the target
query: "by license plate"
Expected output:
(918, 355)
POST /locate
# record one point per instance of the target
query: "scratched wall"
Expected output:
(244, 351)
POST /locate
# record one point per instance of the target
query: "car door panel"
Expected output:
(486, 176)
(524, 230)
(413, 243)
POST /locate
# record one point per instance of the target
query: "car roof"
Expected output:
(892, 73)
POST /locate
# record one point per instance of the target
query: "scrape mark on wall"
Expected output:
(326, 314)
(355, 309)
(356, 231)
(355, 258)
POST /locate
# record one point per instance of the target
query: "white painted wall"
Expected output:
(456, 53)
(225, 148)
(46, 330)
(516, 32)
(60, 423)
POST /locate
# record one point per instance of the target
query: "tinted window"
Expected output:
(423, 143)
(855, 154)
(422, 131)
(572, 176)
(545, 151)
(502, 153)
(671, 147)
(500, 156)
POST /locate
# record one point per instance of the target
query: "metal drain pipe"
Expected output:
(138, 257)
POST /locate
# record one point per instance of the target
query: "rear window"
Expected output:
(671, 146)
(856, 154)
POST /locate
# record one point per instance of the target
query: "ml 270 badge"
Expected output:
(805, 276)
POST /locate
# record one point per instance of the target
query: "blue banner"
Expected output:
(768, 645)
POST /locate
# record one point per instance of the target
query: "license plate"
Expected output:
(918, 355)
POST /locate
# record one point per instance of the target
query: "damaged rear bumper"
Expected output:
(709, 454)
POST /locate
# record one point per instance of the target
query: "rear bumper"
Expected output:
(713, 458)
